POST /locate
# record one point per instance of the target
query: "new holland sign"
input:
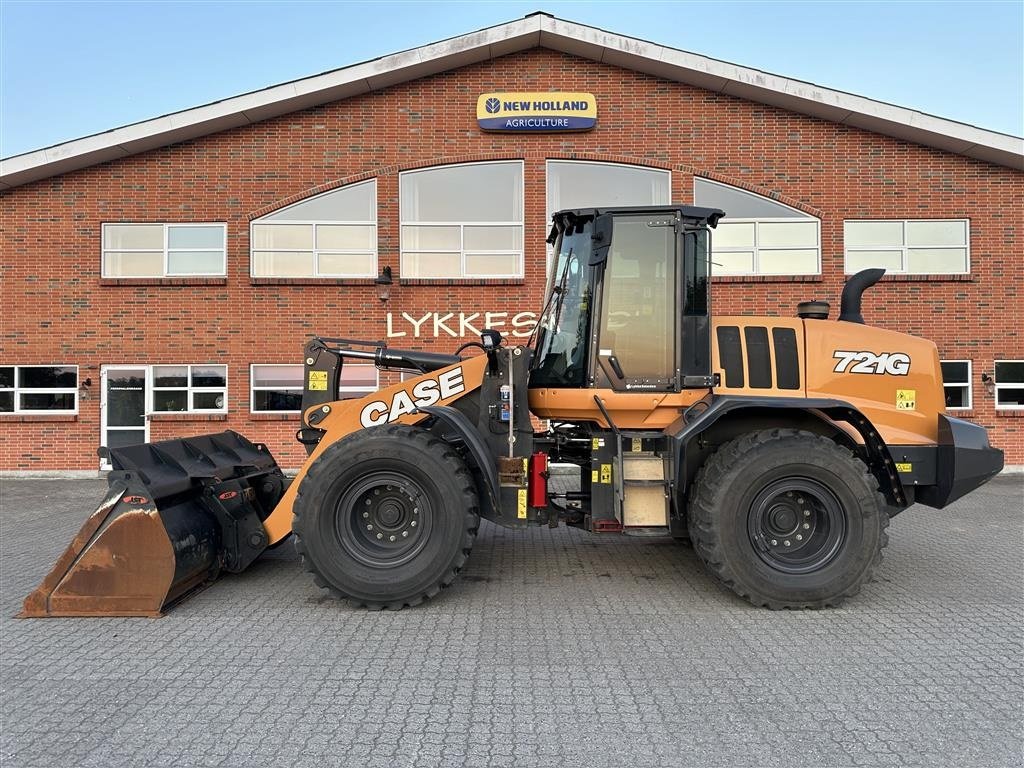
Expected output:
(558, 111)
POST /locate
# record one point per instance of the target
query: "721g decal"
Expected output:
(892, 363)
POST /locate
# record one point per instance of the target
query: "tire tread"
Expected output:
(711, 485)
(468, 501)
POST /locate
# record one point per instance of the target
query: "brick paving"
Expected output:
(554, 648)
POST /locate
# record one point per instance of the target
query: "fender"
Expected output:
(690, 424)
(456, 420)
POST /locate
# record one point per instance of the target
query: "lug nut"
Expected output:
(807, 513)
(775, 542)
(391, 538)
(807, 526)
(786, 542)
(366, 514)
(799, 537)
(413, 523)
(369, 527)
(404, 534)
(380, 535)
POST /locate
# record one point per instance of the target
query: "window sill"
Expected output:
(766, 278)
(25, 418)
(435, 281)
(1010, 413)
(887, 278)
(187, 416)
(294, 416)
(147, 281)
(311, 281)
(960, 413)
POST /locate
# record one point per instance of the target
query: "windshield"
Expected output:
(564, 328)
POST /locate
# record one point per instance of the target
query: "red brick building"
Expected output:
(159, 280)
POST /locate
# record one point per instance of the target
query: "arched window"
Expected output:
(578, 184)
(330, 235)
(462, 221)
(759, 236)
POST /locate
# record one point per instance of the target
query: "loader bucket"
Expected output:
(177, 513)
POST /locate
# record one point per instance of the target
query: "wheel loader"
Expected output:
(779, 446)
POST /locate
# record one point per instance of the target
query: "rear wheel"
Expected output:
(386, 517)
(788, 519)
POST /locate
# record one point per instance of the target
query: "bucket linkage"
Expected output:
(177, 513)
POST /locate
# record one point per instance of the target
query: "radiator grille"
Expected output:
(763, 357)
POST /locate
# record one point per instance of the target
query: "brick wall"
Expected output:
(56, 309)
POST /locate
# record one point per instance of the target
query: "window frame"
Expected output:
(968, 384)
(18, 390)
(757, 248)
(997, 386)
(904, 247)
(313, 223)
(191, 391)
(341, 387)
(800, 217)
(520, 254)
(166, 249)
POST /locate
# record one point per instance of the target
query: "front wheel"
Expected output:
(788, 519)
(386, 517)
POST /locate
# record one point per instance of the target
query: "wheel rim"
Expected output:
(796, 525)
(384, 520)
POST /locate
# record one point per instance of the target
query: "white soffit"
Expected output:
(535, 30)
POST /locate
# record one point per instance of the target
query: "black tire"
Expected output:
(386, 517)
(788, 519)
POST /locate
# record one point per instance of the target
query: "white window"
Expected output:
(164, 250)
(759, 236)
(330, 235)
(1009, 381)
(956, 381)
(189, 388)
(575, 184)
(462, 221)
(38, 389)
(909, 246)
(278, 388)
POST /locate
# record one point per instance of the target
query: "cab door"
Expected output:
(638, 323)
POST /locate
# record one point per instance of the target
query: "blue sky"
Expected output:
(69, 69)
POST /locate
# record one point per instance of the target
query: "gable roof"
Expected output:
(536, 30)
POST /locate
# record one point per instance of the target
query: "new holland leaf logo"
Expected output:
(546, 111)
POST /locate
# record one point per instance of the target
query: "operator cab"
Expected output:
(627, 300)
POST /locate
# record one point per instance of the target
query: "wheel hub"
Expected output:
(796, 525)
(383, 520)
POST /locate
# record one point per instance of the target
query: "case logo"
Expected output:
(887, 363)
(426, 392)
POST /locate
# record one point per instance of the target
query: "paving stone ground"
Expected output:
(554, 648)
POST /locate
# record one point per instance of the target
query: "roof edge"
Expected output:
(538, 29)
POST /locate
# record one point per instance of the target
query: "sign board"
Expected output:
(519, 111)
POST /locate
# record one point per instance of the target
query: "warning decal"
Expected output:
(906, 399)
(318, 381)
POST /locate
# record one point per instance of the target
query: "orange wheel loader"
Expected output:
(781, 447)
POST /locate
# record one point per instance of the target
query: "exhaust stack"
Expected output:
(849, 304)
